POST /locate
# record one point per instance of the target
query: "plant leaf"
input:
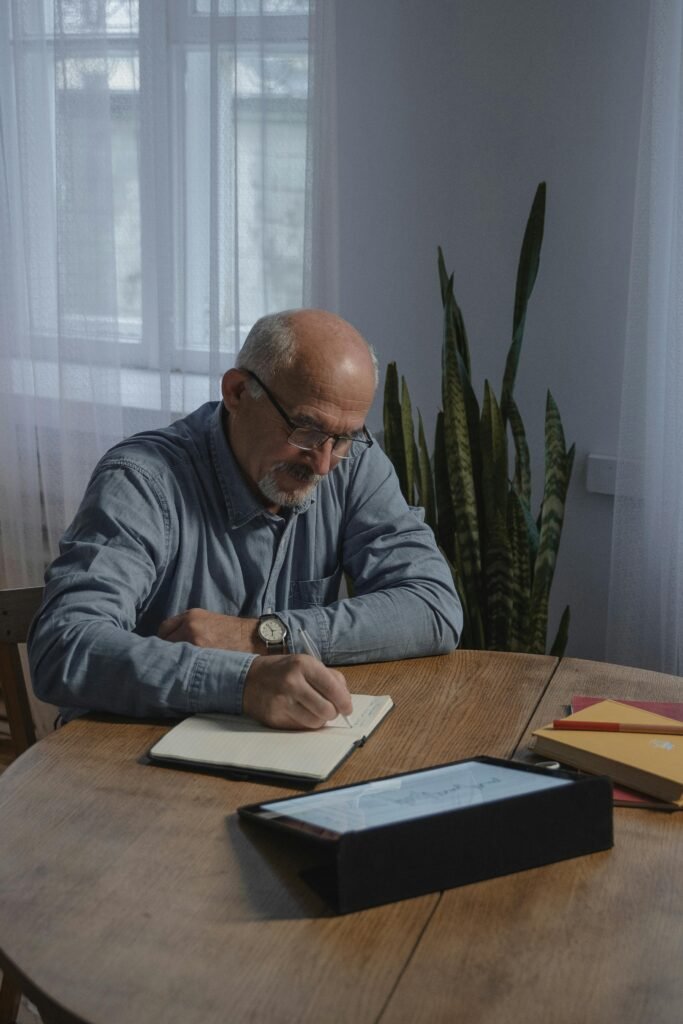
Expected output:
(522, 480)
(522, 557)
(425, 478)
(444, 282)
(393, 427)
(409, 450)
(526, 277)
(494, 462)
(498, 583)
(532, 529)
(560, 641)
(454, 328)
(558, 467)
(445, 515)
(459, 462)
(495, 547)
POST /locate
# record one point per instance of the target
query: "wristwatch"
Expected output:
(272, 630)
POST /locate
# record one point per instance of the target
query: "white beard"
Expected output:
(271, 490)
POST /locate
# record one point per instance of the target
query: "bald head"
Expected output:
(312, 343)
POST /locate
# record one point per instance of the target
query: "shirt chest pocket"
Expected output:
(308, 593)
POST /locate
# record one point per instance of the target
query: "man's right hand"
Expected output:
(294, 691)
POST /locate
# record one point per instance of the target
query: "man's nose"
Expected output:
(323, 459)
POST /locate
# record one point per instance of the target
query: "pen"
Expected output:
(315, 653)
(655, 727)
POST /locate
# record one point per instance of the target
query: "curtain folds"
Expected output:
(159, 163)
(645, 617)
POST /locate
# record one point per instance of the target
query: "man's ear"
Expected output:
(233, 386)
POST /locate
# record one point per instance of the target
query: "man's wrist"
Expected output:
(249, 640)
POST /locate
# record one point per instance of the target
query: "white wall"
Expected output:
(450, 113)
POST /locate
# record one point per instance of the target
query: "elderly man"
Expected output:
(201, 551)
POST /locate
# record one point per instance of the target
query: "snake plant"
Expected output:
(475, 484)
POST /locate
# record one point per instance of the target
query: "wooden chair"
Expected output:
(17, 608)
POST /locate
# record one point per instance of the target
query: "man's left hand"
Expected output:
(209, 629)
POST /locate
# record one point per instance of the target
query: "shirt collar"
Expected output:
(241, 503)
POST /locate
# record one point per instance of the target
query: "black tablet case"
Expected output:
(393, 862)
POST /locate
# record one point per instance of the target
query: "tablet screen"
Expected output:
(415, 795)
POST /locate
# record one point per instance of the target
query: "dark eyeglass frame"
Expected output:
(324, 438)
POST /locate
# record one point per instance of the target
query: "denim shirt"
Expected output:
(169, 523)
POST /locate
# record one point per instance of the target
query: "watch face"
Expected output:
(272, 631)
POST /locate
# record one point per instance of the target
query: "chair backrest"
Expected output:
(17, 608)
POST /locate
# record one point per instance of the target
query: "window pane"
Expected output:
(247, 221)
(278, 74)
(92, 17)
(271, 171)
(99, 199)
(253, 7)
(126, 190)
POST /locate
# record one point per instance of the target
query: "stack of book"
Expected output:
(638, 744)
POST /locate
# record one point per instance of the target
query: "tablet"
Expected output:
(333, 813)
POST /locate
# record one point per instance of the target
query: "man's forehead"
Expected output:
(312, 399)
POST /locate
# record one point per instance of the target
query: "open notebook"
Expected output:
(241, 746)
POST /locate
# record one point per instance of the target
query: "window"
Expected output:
(179, 160)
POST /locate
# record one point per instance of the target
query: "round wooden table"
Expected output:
(132, 893)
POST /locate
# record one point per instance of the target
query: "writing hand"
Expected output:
(294, 691)
(209, 629)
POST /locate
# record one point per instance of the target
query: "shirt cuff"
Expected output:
(218, 680)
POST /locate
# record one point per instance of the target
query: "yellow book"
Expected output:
(649, 762)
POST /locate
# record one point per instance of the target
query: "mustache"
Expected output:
(304, 474)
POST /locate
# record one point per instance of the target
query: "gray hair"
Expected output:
(270, 347)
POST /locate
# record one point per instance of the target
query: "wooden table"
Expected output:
(131, 893)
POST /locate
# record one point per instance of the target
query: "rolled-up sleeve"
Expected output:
(83, 649)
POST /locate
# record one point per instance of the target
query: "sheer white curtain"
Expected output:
(645, 621)
(158, 167)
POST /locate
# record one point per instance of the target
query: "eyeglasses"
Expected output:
(344, 446)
